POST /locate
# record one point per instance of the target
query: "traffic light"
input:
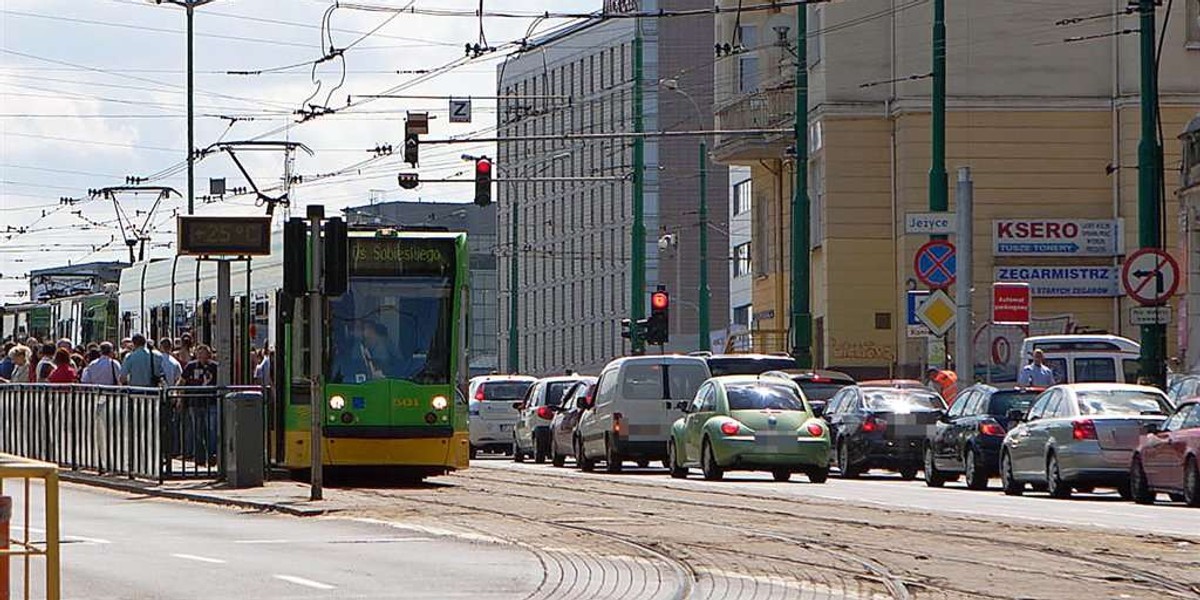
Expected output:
(483, 181)
(656, 325)
(295, 257)
(409, 181)
(336, 247)
(411, 143)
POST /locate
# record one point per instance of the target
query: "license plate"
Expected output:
(771, 442)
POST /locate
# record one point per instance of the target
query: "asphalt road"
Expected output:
(1102, 510)
(126, 547)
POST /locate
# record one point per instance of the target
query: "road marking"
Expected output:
(316, 585)
(203, 559)
(66, 539)
(262, 541)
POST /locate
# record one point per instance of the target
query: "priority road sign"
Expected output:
(1150, 276)
(937, 313)
(935, 264)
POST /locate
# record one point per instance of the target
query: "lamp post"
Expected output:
(189, 7)
(703, 325)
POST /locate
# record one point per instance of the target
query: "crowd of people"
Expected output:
(137, 361)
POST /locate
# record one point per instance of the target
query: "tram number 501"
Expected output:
(406, 403)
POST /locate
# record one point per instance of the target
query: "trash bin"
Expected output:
(244, 448)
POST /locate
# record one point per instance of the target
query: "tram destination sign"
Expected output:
(396, 257)
(224, 236)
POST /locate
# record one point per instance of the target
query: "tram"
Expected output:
(394, 351)
(81, 318)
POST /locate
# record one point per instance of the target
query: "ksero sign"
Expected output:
(1056, 237)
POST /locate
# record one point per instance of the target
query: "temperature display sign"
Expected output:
(224, 236)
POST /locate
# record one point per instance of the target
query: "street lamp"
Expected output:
(189, 7)
(703, 325)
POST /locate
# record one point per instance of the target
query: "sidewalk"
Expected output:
(288, 497)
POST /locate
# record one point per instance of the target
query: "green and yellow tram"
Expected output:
(394, 349)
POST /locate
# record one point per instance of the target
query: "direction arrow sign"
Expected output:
(935, 264)
(1151, 276)
(937, 313)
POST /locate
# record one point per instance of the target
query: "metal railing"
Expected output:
(150, 433)
(13, 467)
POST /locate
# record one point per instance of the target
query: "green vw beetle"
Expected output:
(749, 423)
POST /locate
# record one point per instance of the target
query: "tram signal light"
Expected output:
(483, 181)
(411, 146)
(336, 247)
(295, 257)
(657, 330)
(409, 181)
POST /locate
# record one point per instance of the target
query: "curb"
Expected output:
(134, 487)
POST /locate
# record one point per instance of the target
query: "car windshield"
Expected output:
(820, 391)
(555, 391)
(901, 400)
(760, 396)
(663, 381)
(1004, 402)
(736, 365)
(392, 328)
(1121, 402)
(504, 390)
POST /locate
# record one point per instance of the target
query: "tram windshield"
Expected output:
(392, 328)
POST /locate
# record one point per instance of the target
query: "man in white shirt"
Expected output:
(103, 370)
(1036, 373)
(171, 369)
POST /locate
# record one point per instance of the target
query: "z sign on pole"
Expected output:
(1010, 303)
(1151, 276)
(460, 110)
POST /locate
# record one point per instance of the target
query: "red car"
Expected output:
(1168, 460)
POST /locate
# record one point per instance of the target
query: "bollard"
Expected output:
(5, 517)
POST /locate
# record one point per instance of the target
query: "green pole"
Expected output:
(637, 300)
(939, 199)
(801, 246)
(704, 343)
(1154, 337)
(514, 346)
(191, 121)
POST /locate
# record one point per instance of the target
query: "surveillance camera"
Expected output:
(666, 242)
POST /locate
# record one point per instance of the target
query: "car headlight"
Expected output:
(440, 403)
(337, 402)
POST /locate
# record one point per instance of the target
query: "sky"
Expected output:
(93, 92)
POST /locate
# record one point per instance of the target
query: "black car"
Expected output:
(748, 364)
(818, 386)
(968, 438)
(566, 418)
(881, 427)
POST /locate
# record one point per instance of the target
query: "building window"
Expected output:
(741, 315)
(741, 197)
(814, 35)
(748, 59)
(816, 194)
(883, 320)
(1193, 25)
(741, 260)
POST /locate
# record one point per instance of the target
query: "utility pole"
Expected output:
(801, 205)
(1154, 337)
(637, 300)
(514, 345)
(964, 359)
(316, 213)
(704, 342)
(939, 200)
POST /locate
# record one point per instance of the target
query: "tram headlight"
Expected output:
(440, 403)
(337, 402)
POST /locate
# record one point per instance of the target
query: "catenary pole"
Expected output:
(316, 213)
(637, 287)
(191, 117)
(1154, 337)
(801, 325)
(704, 342)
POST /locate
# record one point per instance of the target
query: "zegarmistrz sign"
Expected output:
(1056, 237)
(1065, 282)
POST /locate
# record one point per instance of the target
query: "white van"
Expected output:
(1084, 358)
(637, 400)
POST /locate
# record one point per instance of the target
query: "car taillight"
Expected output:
(991, 429)
(479, 394)
(871, 425)
(815, 430)
(730, 428)
(1084, 429)
(545, 412)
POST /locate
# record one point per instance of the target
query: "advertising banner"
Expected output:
(1056, 237)
(1063, 281)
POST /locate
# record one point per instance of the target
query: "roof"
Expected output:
(659, 359)
(483, 378)
(92, 268)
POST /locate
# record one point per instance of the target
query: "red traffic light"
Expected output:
(659, 300)
(483, 166)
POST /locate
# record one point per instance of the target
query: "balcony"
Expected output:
(772, 107)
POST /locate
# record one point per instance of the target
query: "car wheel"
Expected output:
(1191, 483)
(1139, 488)
(708, 463)
(557, 458)
(781, 475)
(976, 473)
(474, 452)
(1012, 487)
(582, 461)
(817, 474)
(1054, 482)
(612, 460)
(844, 467)
(933, 477)
(540, 451)
(672, 462)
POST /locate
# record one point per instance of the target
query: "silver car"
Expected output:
(1079, 437)
(491, 415)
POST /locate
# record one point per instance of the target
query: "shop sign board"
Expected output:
(1056, 237)
(1059, 281)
